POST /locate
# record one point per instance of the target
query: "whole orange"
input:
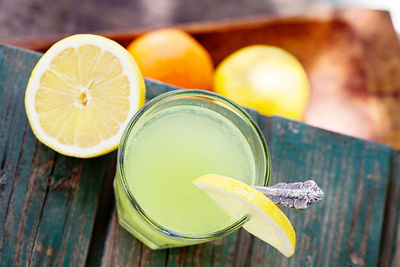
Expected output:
(173, 56)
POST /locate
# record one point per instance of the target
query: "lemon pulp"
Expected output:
(81, 95)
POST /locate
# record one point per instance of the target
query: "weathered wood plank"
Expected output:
(155, 88)
(390, 245)
(122, 249)
(23, 160)
(102, 221)
(48, 201)
(345, 228)
(233, 249)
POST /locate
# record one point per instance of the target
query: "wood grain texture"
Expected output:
(57, 210)
(343, 229)
(124, 250)
(390, 245)
(48, 201)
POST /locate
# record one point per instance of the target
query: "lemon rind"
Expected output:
(130, 69)
(207, 183)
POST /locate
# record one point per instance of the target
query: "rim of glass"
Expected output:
(195, 93)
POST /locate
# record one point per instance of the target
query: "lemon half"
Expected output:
(82, 94)
(266, 220)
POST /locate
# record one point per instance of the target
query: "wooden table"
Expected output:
(57, 210)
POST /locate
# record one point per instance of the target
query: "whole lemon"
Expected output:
(266, 78)
(173, 56)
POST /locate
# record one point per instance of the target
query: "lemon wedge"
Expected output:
(266, 220)
(82, 94)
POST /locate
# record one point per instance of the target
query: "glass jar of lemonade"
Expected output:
(171, 141)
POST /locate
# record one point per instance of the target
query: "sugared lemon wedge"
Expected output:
(266, 220)
(82, 94)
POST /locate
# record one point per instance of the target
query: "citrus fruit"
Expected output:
(266, 220)
(81, 95)
(265, 78)
(173, 56)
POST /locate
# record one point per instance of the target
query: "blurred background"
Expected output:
(25, 18)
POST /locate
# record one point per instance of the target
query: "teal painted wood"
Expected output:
(48, 202)
(155, 88)
(122, 249)
(390, 245)
(345, 228)
(17, 173)
(56, 210)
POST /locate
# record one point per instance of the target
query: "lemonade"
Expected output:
(208, 143)
(171, 142)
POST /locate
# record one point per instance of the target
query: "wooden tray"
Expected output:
(352, 57)
(59, 211)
